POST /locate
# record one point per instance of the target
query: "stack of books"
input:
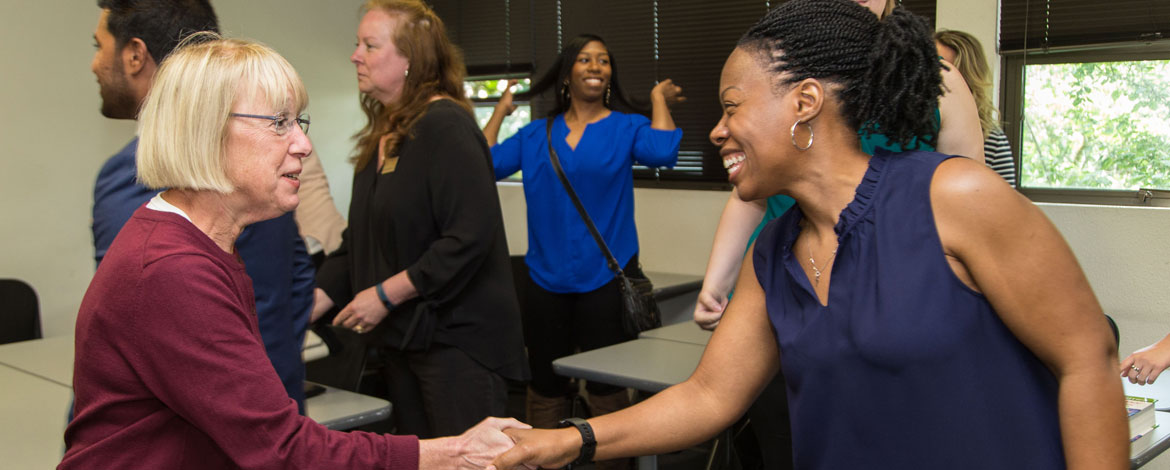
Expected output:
(1141, 423)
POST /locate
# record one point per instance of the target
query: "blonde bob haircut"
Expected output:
(182, 127)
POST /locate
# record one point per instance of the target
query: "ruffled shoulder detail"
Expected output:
(863, 199)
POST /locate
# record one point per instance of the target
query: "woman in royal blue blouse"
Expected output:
(572, 301)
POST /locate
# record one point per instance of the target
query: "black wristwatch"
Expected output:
(588, 440)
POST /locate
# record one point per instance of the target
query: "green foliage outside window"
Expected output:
(1097, 125)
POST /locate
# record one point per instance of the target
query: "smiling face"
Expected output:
(381, 67)
(118, 101)
(262, 165)
(591, 72)
(752, 134)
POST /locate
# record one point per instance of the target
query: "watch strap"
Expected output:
(588, 440)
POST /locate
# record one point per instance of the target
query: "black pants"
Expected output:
(441, 391)
(770, 423)
(557, 325)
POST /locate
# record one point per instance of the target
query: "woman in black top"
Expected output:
(424, 263)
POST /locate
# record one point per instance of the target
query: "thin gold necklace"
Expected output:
(816, 270)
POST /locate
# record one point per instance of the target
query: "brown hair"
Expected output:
(972, 65)
(436, 68)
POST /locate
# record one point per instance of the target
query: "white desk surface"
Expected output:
(339, 409)
(647, 364)
(1158, 443)
(685, 332)
(665, 279)
(32, 421)
(51, 360)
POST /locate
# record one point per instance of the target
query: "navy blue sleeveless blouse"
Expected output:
(906, 367)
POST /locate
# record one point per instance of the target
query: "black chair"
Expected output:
(1116, 333)
(20, 313)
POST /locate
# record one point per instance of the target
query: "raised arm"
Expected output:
(959, 132)
(736, 224)
(1000, 243)
(739, 360)
(504, 108)
(664, 95)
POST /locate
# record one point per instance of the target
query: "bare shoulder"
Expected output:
(971, 202)
(951, 77)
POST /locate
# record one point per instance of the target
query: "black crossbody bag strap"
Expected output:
(556, 163)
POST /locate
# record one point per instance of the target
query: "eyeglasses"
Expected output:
(281, 123)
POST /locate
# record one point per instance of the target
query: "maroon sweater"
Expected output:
(170, 371)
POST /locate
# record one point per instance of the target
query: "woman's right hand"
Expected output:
(709, 308)
(505, 104)
(1146, 364)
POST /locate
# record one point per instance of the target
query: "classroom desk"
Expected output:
(1158, 444)
(676, 294)
(339, 409)
(647, 364)
(32, 420)
(685, 332)
(51, 360)
(667, 285)
(1161, 441)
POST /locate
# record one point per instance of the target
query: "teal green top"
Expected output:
(779, 204)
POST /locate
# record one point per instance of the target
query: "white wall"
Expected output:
(55, 140)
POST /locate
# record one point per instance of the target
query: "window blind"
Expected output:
(1045, 24)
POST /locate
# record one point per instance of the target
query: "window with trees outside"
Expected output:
(1086, 99)
(1096, 125)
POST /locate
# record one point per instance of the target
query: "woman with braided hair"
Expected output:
(955, 131)
(905, 296)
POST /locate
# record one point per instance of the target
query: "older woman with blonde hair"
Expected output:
(170, 369)
(966, 53)
(424, 267)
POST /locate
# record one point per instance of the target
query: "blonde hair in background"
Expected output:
(436, 68)
(890, 4)
(182, 127)
(972, 65)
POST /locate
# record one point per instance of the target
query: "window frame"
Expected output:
(1011, 106)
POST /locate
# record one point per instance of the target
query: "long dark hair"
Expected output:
(555, 78)
(888, 69)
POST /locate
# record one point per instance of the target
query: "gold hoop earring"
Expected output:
(607, 95)
(565, 90)
(792, 132)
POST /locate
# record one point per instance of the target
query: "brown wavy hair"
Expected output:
(436, 68)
